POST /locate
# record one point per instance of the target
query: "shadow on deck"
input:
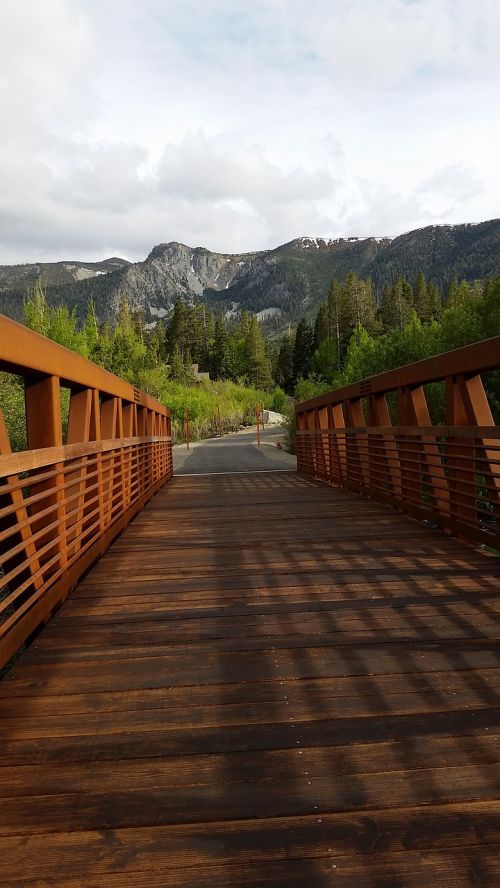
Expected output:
(265, 682)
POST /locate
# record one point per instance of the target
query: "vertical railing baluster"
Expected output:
(44, 429)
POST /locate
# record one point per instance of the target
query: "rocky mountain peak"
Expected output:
(278, 285)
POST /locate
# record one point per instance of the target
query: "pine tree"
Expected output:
(220, 354)
(435, 301)
(284, 364)
(395, 309)
(258, 369)
(207, 333)
(452, 294)
(408, 293)
(385, 308)
(158, 335)
(302, 350)
(125, 320)
(321, 327)
(272, 356)
(189, 377)
(360, 305)
(337, 315)
(176, 329)
(422, 304)
(176, 365)
(91, 328)
(245, 324)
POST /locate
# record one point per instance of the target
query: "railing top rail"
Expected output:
(24, 352)
(466, 361)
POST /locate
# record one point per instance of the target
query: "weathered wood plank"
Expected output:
(266, 682)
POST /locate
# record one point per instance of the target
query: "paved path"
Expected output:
(234, 453)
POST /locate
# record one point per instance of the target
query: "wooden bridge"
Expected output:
(268, 681)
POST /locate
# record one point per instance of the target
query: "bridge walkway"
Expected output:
(266, 681)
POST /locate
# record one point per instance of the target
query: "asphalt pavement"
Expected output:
(238, 452)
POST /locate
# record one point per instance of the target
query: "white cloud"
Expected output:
(239, 126)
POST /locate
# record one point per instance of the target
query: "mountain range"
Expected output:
(279, 285)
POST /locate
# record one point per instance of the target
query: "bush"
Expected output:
(236, 404)
(278, 403)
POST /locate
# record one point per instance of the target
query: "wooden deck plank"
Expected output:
(189, 853)
(265, 682)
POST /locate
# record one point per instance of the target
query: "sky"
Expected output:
(240, 125)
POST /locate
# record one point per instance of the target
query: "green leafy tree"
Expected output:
(91, 328)
(324, 361)
(279, 400)
(36, 309)
(458, 295)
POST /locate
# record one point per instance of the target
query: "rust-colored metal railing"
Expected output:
(376, 437)
(62, 501)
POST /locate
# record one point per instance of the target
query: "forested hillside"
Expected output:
(279, 285)
(352, 337)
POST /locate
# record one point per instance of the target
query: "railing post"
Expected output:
(18, 518)
(432, 470)
(128, 414)
(460, 458)
(95, 435)
(168, 432)
(357, 455)
(324, 445)
(468, 406)
(79, 418)
(109, 412)
(479, 412)
(338, 445)
(409, 449)
(383, 454)
(142, 449)
(311, 436)
(44, 429)
(299, 441)
(150, 430)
